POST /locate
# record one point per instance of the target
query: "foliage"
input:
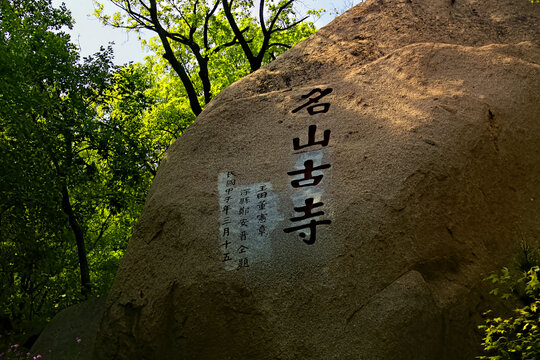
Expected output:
(210, 44)
(76, 162)
(12, 349)
(81, 139)
(516, 337)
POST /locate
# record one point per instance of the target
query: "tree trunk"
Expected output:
(79, 238)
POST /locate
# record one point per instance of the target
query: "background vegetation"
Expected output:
(515, 337)
(81, 139)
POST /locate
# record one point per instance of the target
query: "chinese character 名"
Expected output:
(314, 100)
(309, 179)
(312, 225)
(242, 249)
(243, 263)
(311, 139)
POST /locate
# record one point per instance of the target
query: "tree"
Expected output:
(80, 141)
(76, 161)
(195, 36)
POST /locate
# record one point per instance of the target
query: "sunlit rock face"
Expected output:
(346, 201)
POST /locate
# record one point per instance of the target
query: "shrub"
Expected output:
(516, 337)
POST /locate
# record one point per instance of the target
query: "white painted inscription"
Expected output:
(248, 215)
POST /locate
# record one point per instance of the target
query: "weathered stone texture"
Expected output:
(435, 161)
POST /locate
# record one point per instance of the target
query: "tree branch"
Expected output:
(279, 44)
(101, 231)
(230, 43)
(79, 239)
(290, 26)
(178, 68)
(261, 17)
(276, 17)
(239, 35)
(206, 21)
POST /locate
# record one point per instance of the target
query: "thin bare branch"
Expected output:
(144, 5)
(101, 231)
(135, 14)
(172, 133)
(276, 17)
(206, 21)
(289, 26)
(141, 19)
(177, 37)
(234, 41)
(261, 17)
(279, 44)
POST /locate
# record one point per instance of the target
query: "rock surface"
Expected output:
(424, 163)
(71, 333)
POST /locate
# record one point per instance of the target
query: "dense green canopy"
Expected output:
(81, 139)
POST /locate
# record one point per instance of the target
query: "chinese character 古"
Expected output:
(308, 179)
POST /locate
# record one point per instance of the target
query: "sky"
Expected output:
(89, 34)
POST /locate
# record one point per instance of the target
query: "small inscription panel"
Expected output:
(248, 215)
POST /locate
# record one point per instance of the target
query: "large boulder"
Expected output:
(71, 333)
(346, 201)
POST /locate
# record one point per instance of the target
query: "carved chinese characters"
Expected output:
(306, 179)
(248, 214)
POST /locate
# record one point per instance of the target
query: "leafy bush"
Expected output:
(516, 337)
